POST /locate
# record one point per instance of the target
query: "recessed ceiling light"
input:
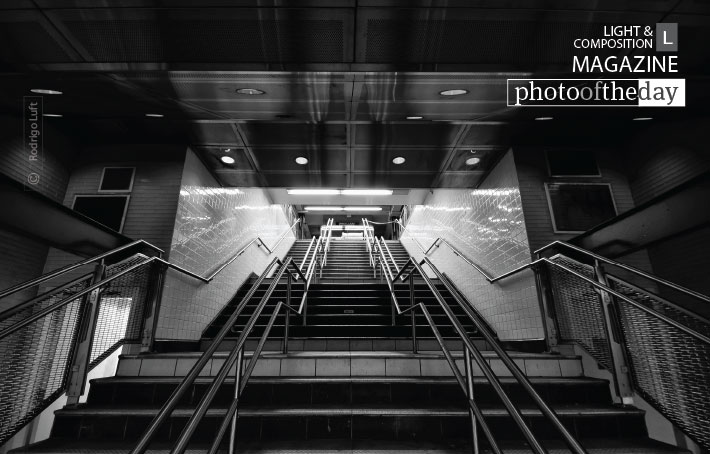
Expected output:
(363, 208)
(53, 115)
(643, 118)
(227, 150)
(301, 160)
(544, 118)
(313, 191)
(473, 161)
(154, 115)
(398, 160)
(323, 208)
(415, 118)
(44, 91)
(250, 91)
(227, 159)
(367, 192)
(453, 92)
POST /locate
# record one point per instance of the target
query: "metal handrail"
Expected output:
(66, 269)
(513, 410)
(631, 269)
(98, 258)
(235, 355)
(555, 244)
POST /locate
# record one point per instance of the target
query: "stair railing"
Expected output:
(652, 346)
(471, 351)
(326, 247)
(369, 237)
(235, 357)
(51, 341)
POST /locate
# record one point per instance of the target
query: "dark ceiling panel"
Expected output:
(485, 159)
(417, 160)
(418, 134)
(212, 156)
(295, 134)
(303, 180)
(487, 134)
(209, 34)
(369, 180)
(460, 179)
(24, 39)
(319, 160)
(214, 133)
(238, 179)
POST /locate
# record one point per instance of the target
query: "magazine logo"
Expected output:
(596, 92)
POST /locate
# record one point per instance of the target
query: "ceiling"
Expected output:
(340, 78)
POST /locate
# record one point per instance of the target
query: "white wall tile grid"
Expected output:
(487, 226)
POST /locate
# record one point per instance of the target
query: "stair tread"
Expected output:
(356, 354)
(343, 446)
(567, 381)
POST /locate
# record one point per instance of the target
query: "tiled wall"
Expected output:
(487, 226)
(211, 225)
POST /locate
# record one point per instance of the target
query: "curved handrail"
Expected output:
(631, 269)
(207, 279)
(66, 269)
(555, 244)
(485, 367)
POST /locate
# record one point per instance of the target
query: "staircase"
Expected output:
(349, 382)
(347, 261)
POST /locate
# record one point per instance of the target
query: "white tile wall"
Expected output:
(211, 225)
(487, 226)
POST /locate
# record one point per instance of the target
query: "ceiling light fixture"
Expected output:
(53, 115)
(227, 159)
(313, 191)
(544, 118)
(363, 208)
(227, 150)
(398, 160)
(154, 115)
(323, 208)
(301, 160)
(250, 91)
(453, 92)
(473, 161)
(45, 91)
(367, 192)
(415, 118)
(643, 118)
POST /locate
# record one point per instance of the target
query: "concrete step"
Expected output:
(351, 446)
(347, 363)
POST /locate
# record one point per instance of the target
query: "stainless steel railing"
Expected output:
(235, 356)
(471, 351)
(653, 346)
(51, 341)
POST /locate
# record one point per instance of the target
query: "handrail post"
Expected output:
(237, 385)
(622, 380)
(150, 320)
(288, 312)
(545, 299)
(76, 381)
(413, 315)
(469, 389)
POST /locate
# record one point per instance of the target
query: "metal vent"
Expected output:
(29, 42)
(210, 40)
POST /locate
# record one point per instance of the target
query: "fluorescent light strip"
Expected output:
(339, 192)
(329, 208)
(367, 192)
(363, 208)
(313, 191)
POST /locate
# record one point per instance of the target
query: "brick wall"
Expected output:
(211, 225)
(488, 227)
(22, 258)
